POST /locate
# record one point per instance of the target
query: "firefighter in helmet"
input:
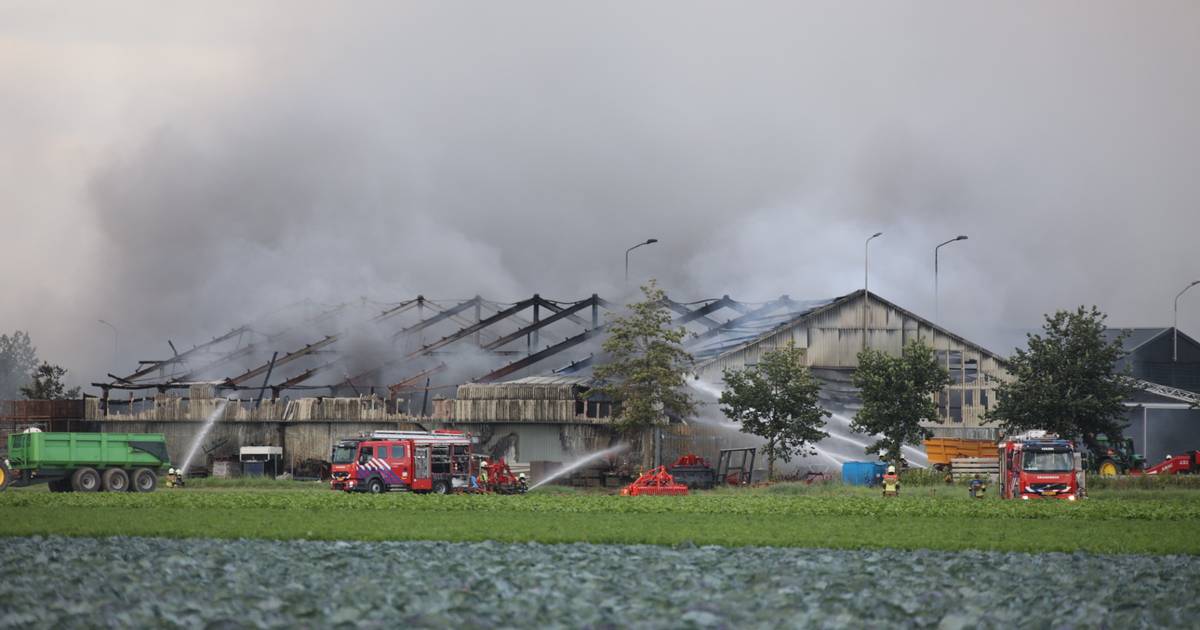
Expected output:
(891, 482)
(977, 488)
(522, 483)
(483, 473)
(174, 478)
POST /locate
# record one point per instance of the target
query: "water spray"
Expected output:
(575, 465)
(208, 425)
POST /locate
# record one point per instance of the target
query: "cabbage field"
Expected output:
(198, 583)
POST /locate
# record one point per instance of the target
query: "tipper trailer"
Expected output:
(85, 462)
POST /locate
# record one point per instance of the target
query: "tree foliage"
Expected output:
(897, 396)
(1065, 380)
(47, 384)
(18, 359)
(646, 372)
(777, 401)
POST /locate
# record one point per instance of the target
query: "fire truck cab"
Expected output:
(1038, 466)
(418, 461)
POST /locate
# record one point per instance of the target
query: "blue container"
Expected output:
(880, 469)
(863, 473)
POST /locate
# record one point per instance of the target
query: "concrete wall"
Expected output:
(300, 440)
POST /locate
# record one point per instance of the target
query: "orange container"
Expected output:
(942, 450)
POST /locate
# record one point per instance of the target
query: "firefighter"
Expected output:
(977, 488)
(483, 474)
(891, 482)
(522, 483)
(174, 478)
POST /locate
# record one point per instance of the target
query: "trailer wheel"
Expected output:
(439, 487)
(144, 480)
(3, 475)
(85, 480)
(1108, 468)
(375, 486)
(115, 480)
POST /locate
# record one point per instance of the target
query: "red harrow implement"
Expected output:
(654, 483)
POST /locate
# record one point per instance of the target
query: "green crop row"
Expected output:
(750, 505)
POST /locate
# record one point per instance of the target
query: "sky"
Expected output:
(177, 169)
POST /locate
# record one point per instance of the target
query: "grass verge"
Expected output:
(842, 532)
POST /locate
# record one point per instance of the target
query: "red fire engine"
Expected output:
(434, 461)
(1037, 466)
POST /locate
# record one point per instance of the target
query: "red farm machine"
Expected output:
(656, 482)
(1188, 462)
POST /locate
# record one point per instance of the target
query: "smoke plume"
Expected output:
(178, 171)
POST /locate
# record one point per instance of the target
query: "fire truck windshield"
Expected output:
(343, 453)
(1048, 461)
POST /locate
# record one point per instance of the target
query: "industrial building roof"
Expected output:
(1134, 337)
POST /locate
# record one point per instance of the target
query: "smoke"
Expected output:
(178, 171)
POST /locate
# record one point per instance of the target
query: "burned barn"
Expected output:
(514, 374)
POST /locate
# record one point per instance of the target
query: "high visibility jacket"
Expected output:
(483, 476)
(891, 482)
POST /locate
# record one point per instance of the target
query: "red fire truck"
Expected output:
(1038, 465)
(420, 461)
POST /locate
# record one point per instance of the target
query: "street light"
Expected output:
(648, 241)
(937, 314)
(116, 335)
(1175, 328)
(866, 278)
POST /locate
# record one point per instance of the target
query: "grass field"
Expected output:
(835, 516)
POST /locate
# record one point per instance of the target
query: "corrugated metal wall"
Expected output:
(833, 338)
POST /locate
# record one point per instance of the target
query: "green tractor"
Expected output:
(1109, 458)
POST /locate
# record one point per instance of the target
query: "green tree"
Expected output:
(777, 401)
(47, 384)
(1065, 381)
(18, 359)
(646, 372)
(897, 396)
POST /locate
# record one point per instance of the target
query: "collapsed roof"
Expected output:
(413, 345)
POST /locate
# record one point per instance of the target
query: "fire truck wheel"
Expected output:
(115, 480)
(439, 487)
(1108, 468)
(375, 486)
(85, 480)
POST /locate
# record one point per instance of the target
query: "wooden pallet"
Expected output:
(968, 467)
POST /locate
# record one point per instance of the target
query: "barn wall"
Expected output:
(832, 339)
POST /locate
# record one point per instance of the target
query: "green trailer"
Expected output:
(85, 462)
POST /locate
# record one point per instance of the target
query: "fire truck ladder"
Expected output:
(1167, 391)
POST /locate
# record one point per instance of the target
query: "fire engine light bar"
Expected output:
(419, 436)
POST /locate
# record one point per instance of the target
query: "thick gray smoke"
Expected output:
(179, 171)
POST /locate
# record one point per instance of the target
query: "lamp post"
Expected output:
(866, 280)
(648, 241)
(937, 314)
(1175, 327)
(116, 336)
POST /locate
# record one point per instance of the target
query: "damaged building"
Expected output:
(513, 374)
